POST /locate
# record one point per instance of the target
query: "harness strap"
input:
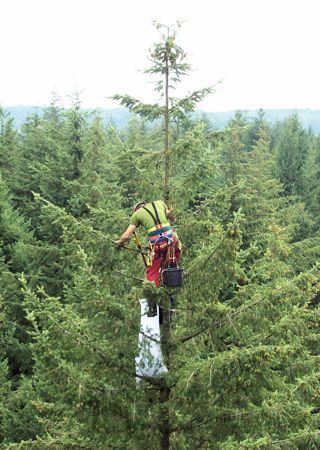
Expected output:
(152, 216)
(155, 218)
(166, 227)
(159, 237)
(156, 213)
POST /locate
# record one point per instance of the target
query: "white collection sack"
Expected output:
(150, 361)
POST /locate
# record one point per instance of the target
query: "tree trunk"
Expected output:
(166, 185)
(165, 390)
(164, 419)
(164, 395)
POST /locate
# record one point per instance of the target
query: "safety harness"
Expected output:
(160, 232)
(162, 243)
(161, 239)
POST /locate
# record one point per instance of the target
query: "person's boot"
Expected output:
(152, 307)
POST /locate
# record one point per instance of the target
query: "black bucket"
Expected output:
(172, 277)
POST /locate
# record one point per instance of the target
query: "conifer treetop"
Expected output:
(167, 61)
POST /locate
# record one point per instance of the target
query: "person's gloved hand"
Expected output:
(119, 243)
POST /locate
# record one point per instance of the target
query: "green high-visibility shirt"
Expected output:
(142, 217)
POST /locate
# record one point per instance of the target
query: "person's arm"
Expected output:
(126, 235)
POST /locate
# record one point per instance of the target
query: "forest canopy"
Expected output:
(119, 116)
(242, 347)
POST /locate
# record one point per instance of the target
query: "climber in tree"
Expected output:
(164, 245)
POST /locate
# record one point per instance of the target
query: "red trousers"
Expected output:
(153, 271)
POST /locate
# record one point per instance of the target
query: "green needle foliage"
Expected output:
(167, 59)
(242, 346)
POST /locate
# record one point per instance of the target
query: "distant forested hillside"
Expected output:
(309, 118)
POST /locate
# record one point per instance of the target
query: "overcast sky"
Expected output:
(266, 52)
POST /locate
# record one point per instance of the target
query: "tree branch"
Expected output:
(131, 160)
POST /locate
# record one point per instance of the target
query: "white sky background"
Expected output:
(266, 52)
